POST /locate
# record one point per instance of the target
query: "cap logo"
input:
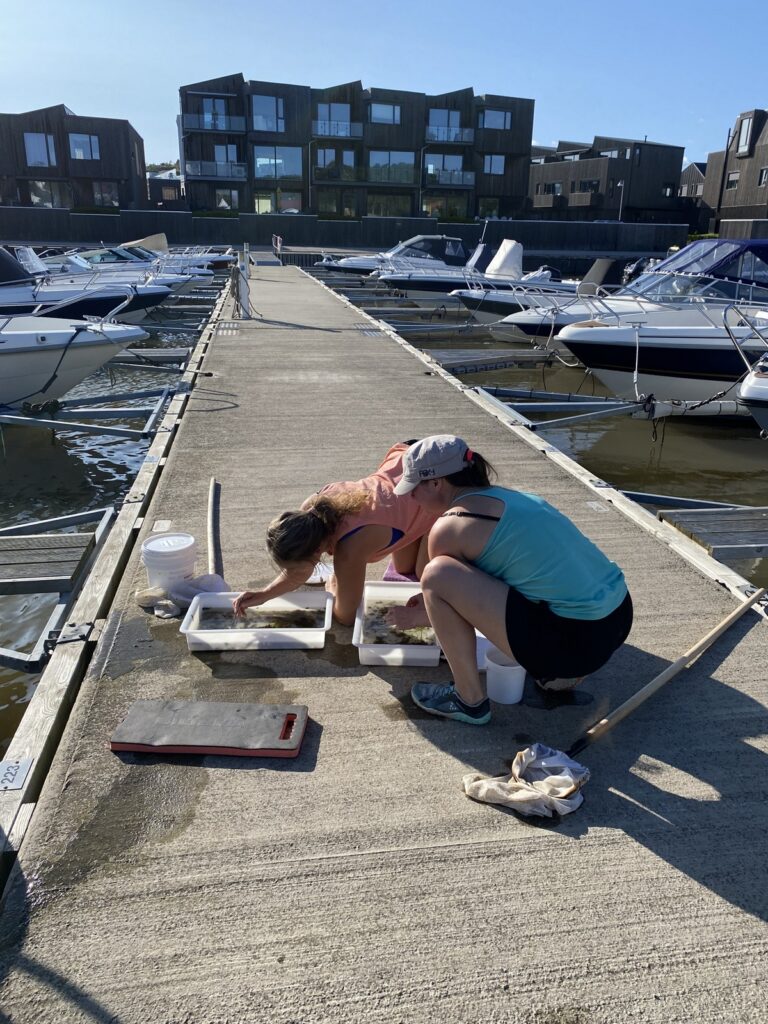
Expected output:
(426, 473)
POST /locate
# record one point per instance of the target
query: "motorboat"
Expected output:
(77, 268)
(23, 292)
(690, 333)
(707, 271)
(502, 273)
(216, 258)
(42, 358)
(439, 250)
(753, 393)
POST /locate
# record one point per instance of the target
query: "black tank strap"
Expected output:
(472, 515)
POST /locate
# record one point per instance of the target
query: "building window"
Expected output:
(493, 163)
(700, 187)
(488, 206)
(434, 162)
(105, 193)
(388, 205)
(385, 113)
(225, 154)
(537, 160)
(334, 163)
(732, 180)
(553, 188)
(571, 156)
(277, 161)
(84, 147)
(333, 203)
(494, 119)
(445, 126)
(227, 199)
(168, 192)
(214, 113)
(385, 165)
(573, 186)
(446, 207)
(609, 153)
(762, 177)
(277, 202)
(333, 119)
(745, 130)
(589, 185)
(268, 114)
(668, 190)
(41, 151)
(51, 194)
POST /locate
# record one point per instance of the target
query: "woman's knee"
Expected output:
(440, 572)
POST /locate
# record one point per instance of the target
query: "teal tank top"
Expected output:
(538, 551)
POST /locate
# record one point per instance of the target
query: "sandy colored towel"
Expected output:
(542, 782)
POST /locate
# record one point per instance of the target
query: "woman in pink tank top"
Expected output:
(356, 522)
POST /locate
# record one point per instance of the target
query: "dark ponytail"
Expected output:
(477, 472)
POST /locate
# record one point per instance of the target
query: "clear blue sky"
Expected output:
(674, 70)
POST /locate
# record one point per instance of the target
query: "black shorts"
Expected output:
(549, 646)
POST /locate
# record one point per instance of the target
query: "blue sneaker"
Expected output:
(441, 699)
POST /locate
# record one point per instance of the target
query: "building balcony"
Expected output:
(337, 129)
(585, 199)
(212, 123)
(214, 169)
(462, 136)
(550, 201)
(340, 173)
(452, 179)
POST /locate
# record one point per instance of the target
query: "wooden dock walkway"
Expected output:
(357, 884)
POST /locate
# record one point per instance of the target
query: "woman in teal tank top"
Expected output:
(512, 566)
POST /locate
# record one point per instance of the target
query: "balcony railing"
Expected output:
(338, 129)
(213, 122)
(585, 199)
(214, 169)
(462, 179)
(442, 133)
(338, 173)
(551, 200)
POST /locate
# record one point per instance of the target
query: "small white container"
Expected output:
(505, 678)
(483, 646)
(391, 654)
(242, 639)
(169, 558)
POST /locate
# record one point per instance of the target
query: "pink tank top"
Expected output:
(401, 513)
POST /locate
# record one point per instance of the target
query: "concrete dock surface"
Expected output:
(358, 883)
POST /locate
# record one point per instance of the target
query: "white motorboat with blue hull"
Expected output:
(436, 250)
(42, 358)
(689, 362)
(23, 293)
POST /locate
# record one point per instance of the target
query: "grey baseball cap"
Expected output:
(431, 458)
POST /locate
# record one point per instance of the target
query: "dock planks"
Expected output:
(727, 534)
(43, 563)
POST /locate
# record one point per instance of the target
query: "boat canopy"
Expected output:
(436, 247)
(737, 260)
(508, 261)
(11, 271)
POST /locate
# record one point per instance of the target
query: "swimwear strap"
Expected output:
(472, 515)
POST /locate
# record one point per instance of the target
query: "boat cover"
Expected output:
(508, 261)
(158, 242)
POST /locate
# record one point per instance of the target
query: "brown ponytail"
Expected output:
(297, 536)
(477, 472)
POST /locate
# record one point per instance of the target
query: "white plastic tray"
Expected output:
(391, 654)
(250, 639)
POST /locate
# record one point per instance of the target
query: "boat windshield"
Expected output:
(699, 257)
(663, 287)
(451, 250)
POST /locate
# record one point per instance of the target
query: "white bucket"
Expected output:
(483, 645)
(504, 677)
(169, 558)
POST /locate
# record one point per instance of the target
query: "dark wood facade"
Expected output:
(54, 158)
(346, 151)
(736, 182)
(607, 179)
